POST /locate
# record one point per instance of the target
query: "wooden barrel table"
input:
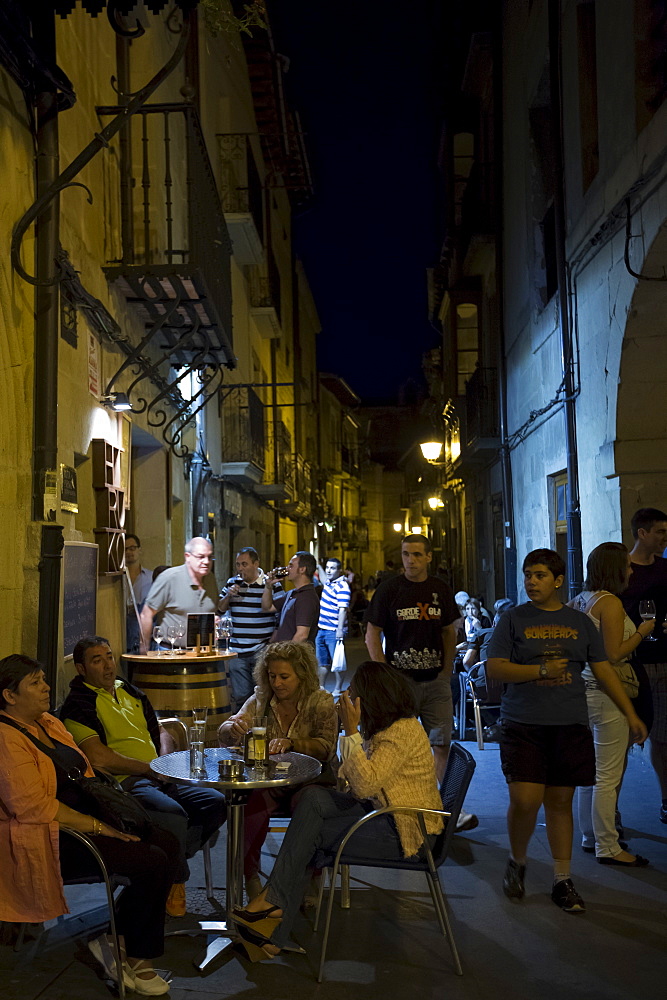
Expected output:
(175, 685)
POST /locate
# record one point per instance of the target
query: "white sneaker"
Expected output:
(466, 821)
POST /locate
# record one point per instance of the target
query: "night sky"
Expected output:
(371, 80)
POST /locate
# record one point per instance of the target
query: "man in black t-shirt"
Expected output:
(648, 581)
(415, 612)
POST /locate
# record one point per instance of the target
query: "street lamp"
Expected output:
(398, 526)
(431, 450)
(435, 503)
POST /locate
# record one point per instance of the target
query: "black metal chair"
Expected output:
(458, 775)
(111, 883)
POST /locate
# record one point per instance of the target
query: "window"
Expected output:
(467, 344)
(650, 36)
(588, 93)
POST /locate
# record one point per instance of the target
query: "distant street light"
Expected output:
(435, 503)
(398, 526)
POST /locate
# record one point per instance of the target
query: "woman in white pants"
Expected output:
(607, 573)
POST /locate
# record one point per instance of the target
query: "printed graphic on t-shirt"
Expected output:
(423, 611)
(548, 649)
(417, 659)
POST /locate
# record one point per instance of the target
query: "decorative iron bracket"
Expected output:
(100, 141)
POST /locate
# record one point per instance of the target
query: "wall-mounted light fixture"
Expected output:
(431, 450)
(398, 526)
(116, 401)
(435, 503)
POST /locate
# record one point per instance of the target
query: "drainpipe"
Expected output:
(505, 460)
(574, 556)
(45, 412)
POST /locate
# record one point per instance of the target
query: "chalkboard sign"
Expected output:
(79, 593)
(203, 626)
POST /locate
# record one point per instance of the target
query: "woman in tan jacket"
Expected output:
(389, 763)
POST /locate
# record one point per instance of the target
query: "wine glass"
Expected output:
(646, 613)
(172, 635)
(224, 631)
(179, 632)
(158, 637)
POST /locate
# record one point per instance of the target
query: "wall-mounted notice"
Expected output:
(79, 593)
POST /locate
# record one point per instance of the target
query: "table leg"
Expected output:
(234, 895)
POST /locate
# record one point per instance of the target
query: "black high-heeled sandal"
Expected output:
(260, 921)
(255, 945)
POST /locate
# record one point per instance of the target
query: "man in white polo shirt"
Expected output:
(252, 627)
(332, 624)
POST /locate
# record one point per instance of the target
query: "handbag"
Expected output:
(102, 796)
(338, 661)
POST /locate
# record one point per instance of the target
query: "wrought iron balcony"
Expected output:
(243, 438)
(264, 288)
(175, 256)
(482, 414)
(280, 477)
(242, 197)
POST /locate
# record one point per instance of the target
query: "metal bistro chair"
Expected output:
(179, 732)
(111, 883)
(470, 694)
(458, 775)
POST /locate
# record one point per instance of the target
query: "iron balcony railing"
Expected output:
(243, 436)
(174, 240)
(482, 416)
(240, 183)
(280, 443)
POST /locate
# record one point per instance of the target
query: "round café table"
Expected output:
(176, 766)
(176, 684)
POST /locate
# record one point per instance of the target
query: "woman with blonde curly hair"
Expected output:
(300, 717)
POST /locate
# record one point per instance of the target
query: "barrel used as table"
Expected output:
(177, 684)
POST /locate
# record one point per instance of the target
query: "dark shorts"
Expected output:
(547, 755)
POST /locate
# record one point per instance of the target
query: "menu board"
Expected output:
(79, 593)
(202, 625)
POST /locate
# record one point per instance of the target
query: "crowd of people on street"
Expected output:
(578, 683)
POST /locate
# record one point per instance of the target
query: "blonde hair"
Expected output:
(301, 657)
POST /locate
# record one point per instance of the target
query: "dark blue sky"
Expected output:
(369, 79)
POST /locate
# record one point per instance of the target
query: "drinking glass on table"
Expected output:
(172, 635)
(646, 613)
(179, 632)
(259, 739)
(223, 630)
(196, 741)
(158, 637)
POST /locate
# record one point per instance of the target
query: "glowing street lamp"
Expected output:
(398, 526)
(435, 503)
(431, 450)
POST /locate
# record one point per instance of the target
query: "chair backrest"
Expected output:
(453, 789)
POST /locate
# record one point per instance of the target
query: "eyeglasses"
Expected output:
(131, 548)
(201, 556)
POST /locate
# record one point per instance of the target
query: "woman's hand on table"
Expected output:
(349, 713)
(281, 744)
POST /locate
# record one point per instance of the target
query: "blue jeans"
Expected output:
(240, 677)
(325, 643)
(190, 814)
(319, 822)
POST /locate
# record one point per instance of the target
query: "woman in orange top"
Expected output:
(32, 807)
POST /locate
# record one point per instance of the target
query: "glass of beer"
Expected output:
(260, 741)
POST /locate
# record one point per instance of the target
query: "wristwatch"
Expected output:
(544, 671)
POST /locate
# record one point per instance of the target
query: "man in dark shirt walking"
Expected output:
(416, 612)
(648, 581)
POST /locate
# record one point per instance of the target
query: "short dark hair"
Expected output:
(158, 570)
(548, 558)
(418, 538)
(645, 518)
(333, 559)
(307, 562)
(13, 669)
(384, 694)
(136, 538)
(88, 643)
(607, 568)
(253, 553)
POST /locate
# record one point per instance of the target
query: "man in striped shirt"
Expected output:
(252, 627)
(332, 624)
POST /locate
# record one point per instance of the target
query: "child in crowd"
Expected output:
(546, 749)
